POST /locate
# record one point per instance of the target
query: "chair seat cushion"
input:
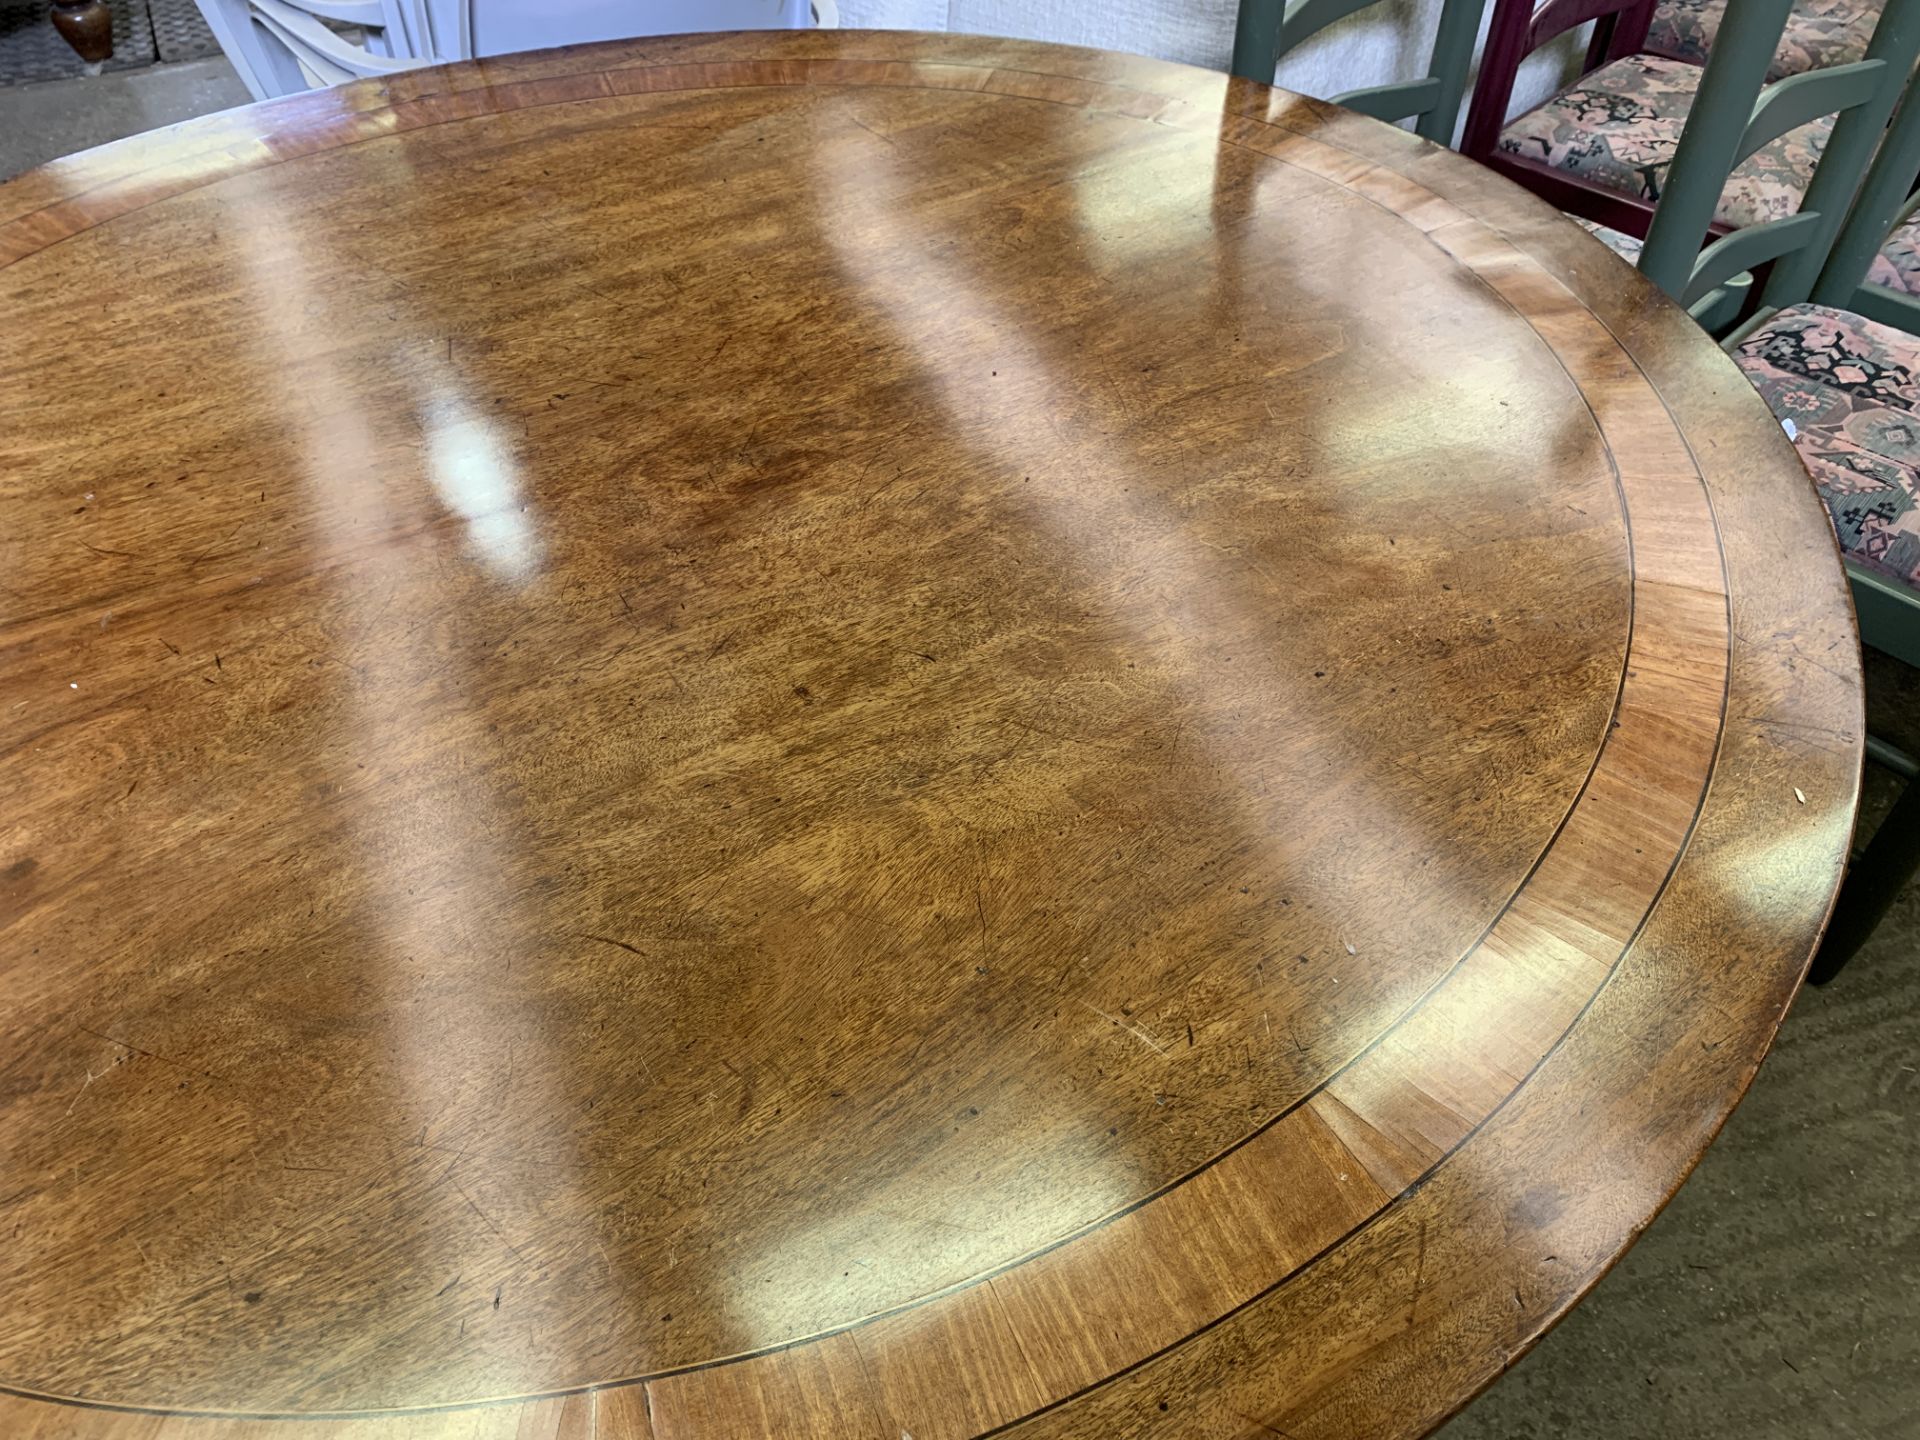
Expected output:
(1627, 247)
(1819, 33)
(1619, 126)
(1897, 266)
(1851, 388)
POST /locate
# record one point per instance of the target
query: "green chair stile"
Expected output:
(1266, 30)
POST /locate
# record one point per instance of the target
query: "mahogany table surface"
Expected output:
(864, 734)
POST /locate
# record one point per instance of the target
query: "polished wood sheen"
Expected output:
(864, 735)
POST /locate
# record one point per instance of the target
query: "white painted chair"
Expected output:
(282, 46)
(462, 29)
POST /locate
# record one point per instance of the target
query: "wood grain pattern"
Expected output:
(870, 758)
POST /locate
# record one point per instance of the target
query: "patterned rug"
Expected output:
(179, 32)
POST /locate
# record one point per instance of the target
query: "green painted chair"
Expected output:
(1856, 276)
(1860, 278)
(1846, 386)
(1732, 117)
(1265, 30)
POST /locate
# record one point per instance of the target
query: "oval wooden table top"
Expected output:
(864, 735)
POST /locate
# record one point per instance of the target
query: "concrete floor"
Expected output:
(57, 117)
(1778, 1298)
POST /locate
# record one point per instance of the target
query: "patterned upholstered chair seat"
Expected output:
(1819, 33)
(1851, 389)
(1897, 266)
(1619, 126)
(1626, 246)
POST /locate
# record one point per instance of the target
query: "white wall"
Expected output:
(1389, 42)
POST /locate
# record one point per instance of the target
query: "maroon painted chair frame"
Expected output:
(1518, 29)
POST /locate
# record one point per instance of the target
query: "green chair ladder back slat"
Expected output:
(1790, 103)
(1266, 30)
(1392, 102)
(1721, 306)
(1302, 18)
(1740, 252)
